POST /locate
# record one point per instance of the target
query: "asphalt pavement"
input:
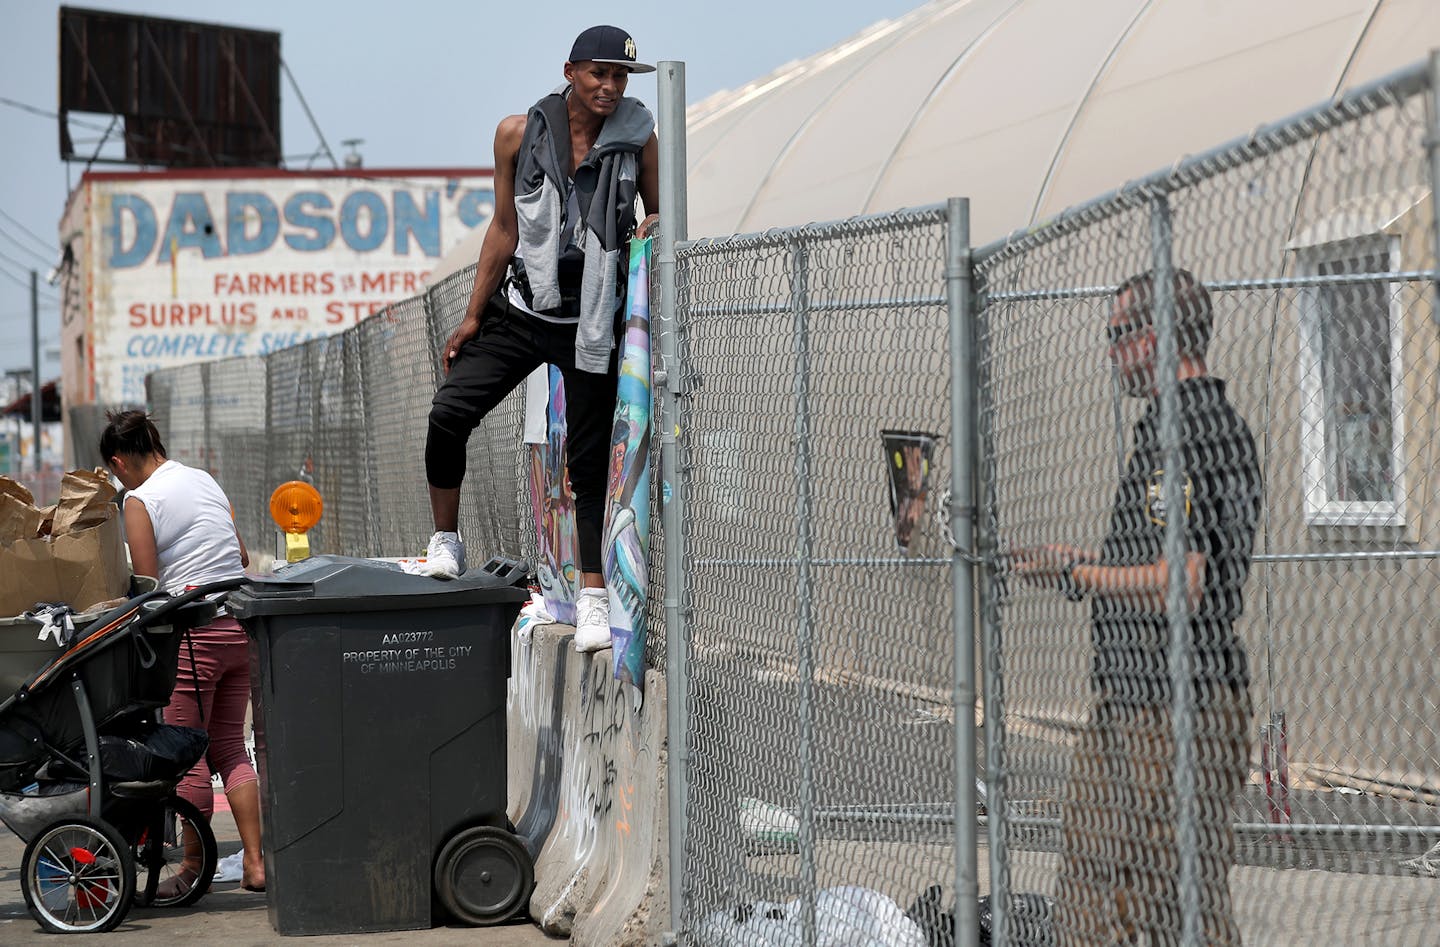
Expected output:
(227, 915)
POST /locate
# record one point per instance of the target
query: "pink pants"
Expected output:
(222, 670)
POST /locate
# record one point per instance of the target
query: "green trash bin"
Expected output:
(379, 703)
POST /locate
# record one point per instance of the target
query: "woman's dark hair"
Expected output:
(129, 434)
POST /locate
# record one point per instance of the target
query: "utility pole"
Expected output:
(17, 383)
(35, 411)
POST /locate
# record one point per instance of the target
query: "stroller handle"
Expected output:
(185, 598)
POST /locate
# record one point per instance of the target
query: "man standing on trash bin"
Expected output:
(1119, 873)
(550, 288)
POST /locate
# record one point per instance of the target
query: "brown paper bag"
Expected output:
(78, 560)
(17, 490)
(85, 500)
(18, 517)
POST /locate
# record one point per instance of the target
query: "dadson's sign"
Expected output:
(191, 265)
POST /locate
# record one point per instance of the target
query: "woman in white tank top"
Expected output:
(181, 529)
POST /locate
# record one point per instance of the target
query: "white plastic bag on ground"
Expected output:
(845, 916)
(768, 828)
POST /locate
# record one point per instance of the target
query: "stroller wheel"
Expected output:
(178, 831)
(78, 876)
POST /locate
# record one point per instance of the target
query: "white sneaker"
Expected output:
(592, 620)
(445, 558)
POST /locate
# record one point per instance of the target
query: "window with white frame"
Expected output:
(1351, 421)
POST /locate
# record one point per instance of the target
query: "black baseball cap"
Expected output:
(607, 44)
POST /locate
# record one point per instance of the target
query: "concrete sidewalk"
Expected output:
(226, 915)
(1274, 907)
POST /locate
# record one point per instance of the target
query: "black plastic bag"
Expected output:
(165, 753)
(1029, 921)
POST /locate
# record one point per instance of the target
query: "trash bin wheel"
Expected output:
(483, 876)
(78, 876)
(163, 880)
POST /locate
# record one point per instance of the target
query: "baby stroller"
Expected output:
(88, 775)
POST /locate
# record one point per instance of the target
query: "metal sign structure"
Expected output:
(191, 95)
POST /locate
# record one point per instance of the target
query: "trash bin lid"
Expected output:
(350, 584)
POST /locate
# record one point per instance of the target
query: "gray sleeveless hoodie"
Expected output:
(605, 183)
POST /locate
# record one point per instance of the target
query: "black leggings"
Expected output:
(510, 345)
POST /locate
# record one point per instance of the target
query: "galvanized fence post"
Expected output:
(963, 380)
(992, 675)
(799, 302)
(1167, 362)
(1432, 147)
(668, 379)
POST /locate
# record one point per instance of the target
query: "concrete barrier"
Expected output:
(632, 904)
(587, 792)
(539, 674)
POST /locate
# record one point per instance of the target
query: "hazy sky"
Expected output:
(423, 82)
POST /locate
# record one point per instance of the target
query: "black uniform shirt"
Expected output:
(1222, 500)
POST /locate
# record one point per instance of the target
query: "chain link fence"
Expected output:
(819, 592)
(820, 734)
(348, 413)
(821, 747)
(1316, 242)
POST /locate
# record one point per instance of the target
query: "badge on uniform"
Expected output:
(1155, 497)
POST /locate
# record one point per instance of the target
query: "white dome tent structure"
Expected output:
(1025, 106)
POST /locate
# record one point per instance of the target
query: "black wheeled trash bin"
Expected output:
(380, 735)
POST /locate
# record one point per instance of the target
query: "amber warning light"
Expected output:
(295, 507)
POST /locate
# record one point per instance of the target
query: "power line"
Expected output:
(29, 233)
(22, 283)
(324, 146)
(24, 268)
(35, 253)
(128, 135)
(27, 108)
(43, 113)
